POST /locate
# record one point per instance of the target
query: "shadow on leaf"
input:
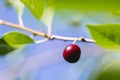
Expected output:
(5, 48)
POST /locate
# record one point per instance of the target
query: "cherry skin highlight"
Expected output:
(72, 53)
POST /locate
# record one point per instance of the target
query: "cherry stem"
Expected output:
(47, 36)
(75, 40)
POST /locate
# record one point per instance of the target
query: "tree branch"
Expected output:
(50, 37)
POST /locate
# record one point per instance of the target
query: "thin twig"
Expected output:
(20, 20)
(50, 37)
(22, 28)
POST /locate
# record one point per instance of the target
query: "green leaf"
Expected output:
(106, 35)
(5, 49)
(35, 6)
(47, 17)
(16, 39)
(104, 5)
(110, 71)
(17, 5)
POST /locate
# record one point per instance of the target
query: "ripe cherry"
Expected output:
(72, 53)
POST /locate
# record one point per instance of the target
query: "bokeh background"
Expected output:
(44, 61)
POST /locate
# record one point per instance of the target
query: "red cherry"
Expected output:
(72, 53)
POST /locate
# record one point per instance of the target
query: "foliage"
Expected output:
(13, 40)
(5, 48)
(106, 35)
(110, 72)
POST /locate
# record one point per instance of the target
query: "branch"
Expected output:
(50, 37)
(22, 28)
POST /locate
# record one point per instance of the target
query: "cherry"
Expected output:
(72, 53)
